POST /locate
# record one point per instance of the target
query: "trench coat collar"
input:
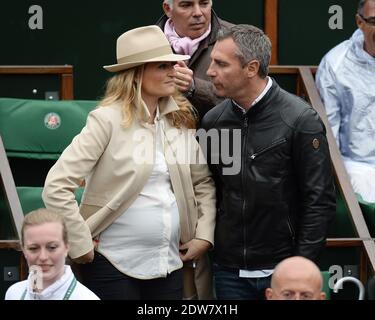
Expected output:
(166, 105)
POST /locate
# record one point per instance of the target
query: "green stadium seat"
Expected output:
(41, 129)
(35, 132)
(368, 210)
(326, 275)
(31, 197)
(342, 226)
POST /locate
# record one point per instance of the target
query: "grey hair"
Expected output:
(170, 3)
(361, 4)
(252, 44)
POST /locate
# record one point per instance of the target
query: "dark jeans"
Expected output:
(229, 286)
(108, 283)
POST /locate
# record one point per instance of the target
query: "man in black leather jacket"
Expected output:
(276, 198)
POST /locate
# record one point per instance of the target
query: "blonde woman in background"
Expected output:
(44, 241)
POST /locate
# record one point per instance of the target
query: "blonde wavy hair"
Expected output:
(41, 216)
(124, 88)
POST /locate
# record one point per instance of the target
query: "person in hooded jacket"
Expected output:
(346, 83)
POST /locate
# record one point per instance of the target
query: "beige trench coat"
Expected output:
(116, 164)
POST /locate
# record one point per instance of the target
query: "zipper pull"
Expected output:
(245, 123)
(252, 157)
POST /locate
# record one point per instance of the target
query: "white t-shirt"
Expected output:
(56, 291)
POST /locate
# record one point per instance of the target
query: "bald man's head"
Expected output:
(296, 278)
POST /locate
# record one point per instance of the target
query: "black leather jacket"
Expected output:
(280, 202)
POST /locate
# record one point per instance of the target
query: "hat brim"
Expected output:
(128, 65)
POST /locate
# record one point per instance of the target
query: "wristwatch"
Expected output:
(191, 90)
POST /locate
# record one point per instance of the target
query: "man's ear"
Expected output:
(253, 68)
(322, 296)
(167, 9)
(269, 294)
(359, 21)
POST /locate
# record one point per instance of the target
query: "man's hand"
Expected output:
(194, 249)
(86, 258)
(183, 76)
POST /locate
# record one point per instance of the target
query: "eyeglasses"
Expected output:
(370, 20)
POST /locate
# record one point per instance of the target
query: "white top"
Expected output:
(56, 291)
(143, 242)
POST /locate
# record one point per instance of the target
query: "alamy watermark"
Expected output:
(222, 146)
(336, 21)
(36, 20)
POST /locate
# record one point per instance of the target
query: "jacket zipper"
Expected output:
(264, 150)
(246, 126)
(291, 228)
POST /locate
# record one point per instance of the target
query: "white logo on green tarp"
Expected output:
(52, 121)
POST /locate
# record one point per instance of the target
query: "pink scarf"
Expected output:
(183, 45)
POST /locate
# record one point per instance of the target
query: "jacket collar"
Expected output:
(210, 40)
(261, 104)
(166, 105)
(357, 52)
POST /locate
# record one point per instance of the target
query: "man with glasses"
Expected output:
(346, 82)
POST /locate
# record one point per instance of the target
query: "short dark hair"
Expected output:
(252, 44)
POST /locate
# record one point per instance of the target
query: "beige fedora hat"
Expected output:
(143, 45)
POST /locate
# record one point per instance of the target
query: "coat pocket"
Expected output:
(87, 210)
(192, 217)
(94, 199)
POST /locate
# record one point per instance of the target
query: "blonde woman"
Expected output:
(44, 241)
(147, 211)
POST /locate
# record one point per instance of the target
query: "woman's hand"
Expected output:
(194, 249)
